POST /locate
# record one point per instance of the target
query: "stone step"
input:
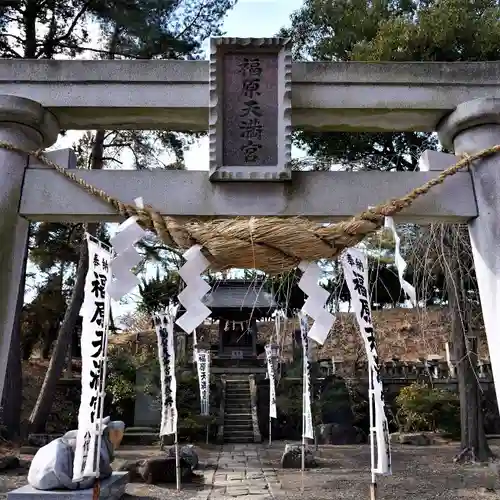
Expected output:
(233, 439)
(238, 431)
(238, 421)
(140, 430)
(140, 438)
(239, 415)
(231, 429)
(243, 371)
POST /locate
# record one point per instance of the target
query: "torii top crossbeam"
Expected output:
(173, 95)
(39, 98)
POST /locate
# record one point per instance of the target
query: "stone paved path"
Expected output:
(239, 473)
(231, 471)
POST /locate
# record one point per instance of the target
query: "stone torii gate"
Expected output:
(249, 96)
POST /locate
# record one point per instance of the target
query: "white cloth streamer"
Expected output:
(196, 289)
(314, 306)
(127, 257)
(401, 263)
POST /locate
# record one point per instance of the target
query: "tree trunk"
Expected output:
(474, 446)
(45, 399)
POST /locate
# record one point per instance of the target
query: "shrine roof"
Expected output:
(239, 294)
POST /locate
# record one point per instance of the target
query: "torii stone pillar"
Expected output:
(26, 124)
(472, 127)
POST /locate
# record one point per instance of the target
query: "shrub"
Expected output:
(424, 408)
(121, 378)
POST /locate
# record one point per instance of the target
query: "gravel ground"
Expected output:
(200, 487)
(419, 473)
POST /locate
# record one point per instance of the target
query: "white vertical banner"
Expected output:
(308, 429)
(95, 313)
(355, 265)
(203, 366)
(164, 325)
(451, 367)
(272, 382)
(277, 326)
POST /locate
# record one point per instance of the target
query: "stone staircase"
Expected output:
(238, 427)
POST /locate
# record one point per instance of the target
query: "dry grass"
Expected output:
(405, 334)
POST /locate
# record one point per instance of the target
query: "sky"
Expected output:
(249, 18)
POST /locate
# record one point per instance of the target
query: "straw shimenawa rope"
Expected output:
(272, 244)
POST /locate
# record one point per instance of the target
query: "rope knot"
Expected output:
(467, 158)
(169, 229)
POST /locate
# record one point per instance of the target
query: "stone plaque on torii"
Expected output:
(38, 98)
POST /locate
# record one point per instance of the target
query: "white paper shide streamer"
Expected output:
(314, 306)
(355, 265)
(272, 382)
(196, 289)
(95, 322)
(401, 263)
(203, 366)
(164, 326)
(308, 429)
(127, 257)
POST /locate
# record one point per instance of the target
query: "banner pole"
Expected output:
(270, 430)
(304, 388)
(96, 491)
(373, 485)
(303, 457)
(177, 464)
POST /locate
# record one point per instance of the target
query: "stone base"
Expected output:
(112, 488)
